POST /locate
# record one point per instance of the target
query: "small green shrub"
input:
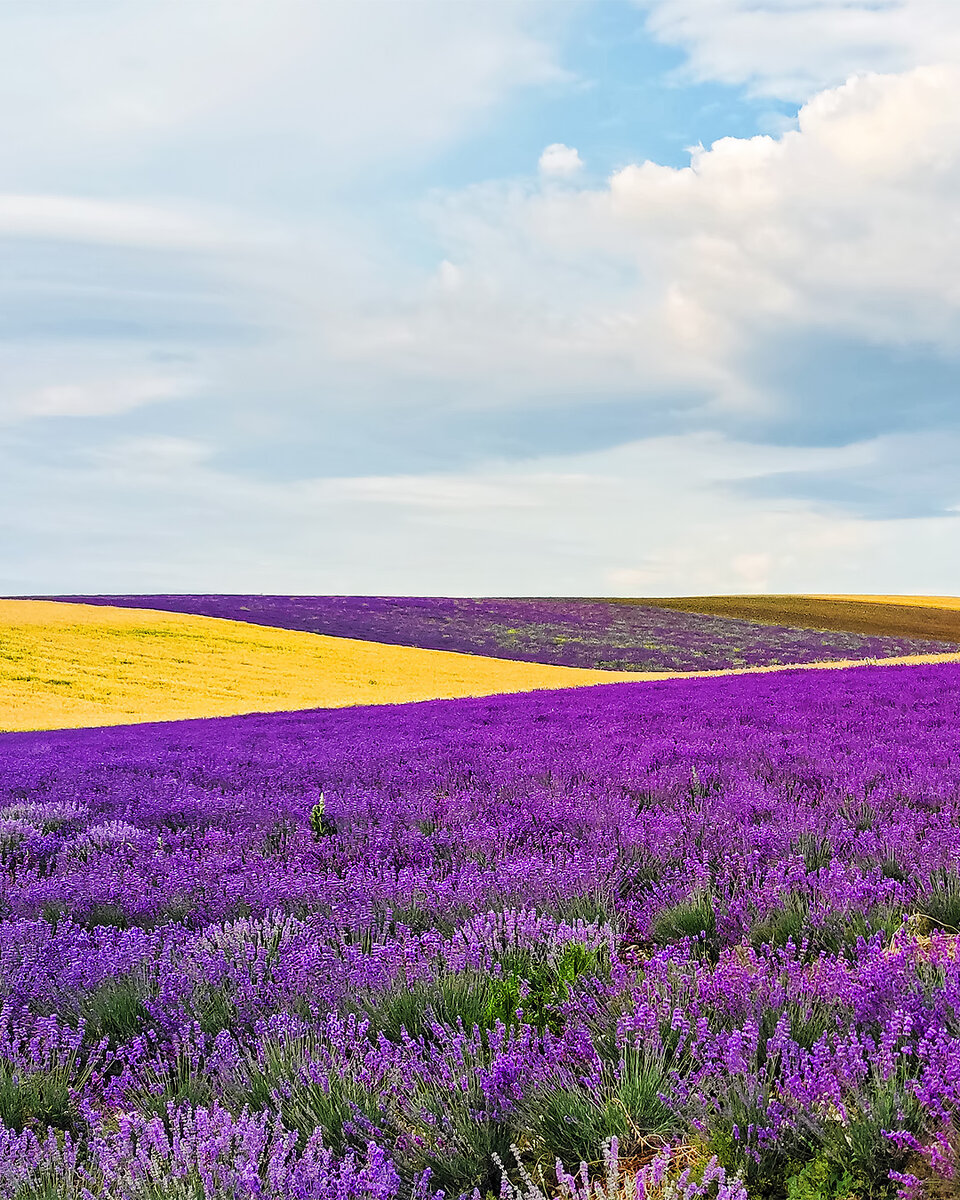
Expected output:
(45, 1098)
(467, 996)
(298, 1079)
(861, 815)
(891, 869)
(213, 1008)
(53, 1183)
(740, 1108)
(787, 923)
(593, 908)
(939, 900)
(820, 1179)
(179, 1081)
(455, 1133)
(693, 918)
(574, 1122)
(418, 919)
(106, 914)
(841, 932)
(115, 1010)
(859, 1146)
(638, 876)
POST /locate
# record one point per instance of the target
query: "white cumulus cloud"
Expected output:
(560, 160)
(671, 276)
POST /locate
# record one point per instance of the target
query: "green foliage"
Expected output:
(787, 923)
(213, 1008)
(345, 1109)
(45, 1098)
(51, 1183)
(539, 988)
(837, 933)
(593, 908)
(418, 919)
(842, 931)
(106, 914)
(179, 910)
(469, 997)
(939, 901)
(638, 875)
(810, 1020)
(859, 1145)
(891, 869)
(741, 1105)
(764, 1169)
(455, 1133)
(181, 1080)
(820, 1179)
(297, 1078)
(573, 1122)
(693, 918)
(115, 1010)
(861, 815)
(526, 988)
(10, 840)
(816, 852)
(827, 1159)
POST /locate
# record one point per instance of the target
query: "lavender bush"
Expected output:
(715, 921)
(573, 633)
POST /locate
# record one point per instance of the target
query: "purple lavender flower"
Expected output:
(573, 633)
(726, 906)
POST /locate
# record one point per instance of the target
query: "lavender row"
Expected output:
(574, 633)
(365, 953)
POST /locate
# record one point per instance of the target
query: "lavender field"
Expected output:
(573, 633)
(365, 953)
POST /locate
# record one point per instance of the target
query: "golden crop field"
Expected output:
(936, 617)
(68, 665)
(947, 602)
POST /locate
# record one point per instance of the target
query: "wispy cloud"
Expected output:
(79, 219)
(793, 48)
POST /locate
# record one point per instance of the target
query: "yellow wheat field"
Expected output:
(69, 665)
(948, 602)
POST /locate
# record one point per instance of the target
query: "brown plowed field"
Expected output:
(874, 616)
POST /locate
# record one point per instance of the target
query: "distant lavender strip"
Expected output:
(572, 633)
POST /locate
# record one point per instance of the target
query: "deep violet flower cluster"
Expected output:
(572, 633)
(713, 915)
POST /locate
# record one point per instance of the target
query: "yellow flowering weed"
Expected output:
(69, 665)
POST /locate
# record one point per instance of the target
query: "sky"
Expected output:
(471, 297)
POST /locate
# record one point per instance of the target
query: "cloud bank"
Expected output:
(269, 328)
